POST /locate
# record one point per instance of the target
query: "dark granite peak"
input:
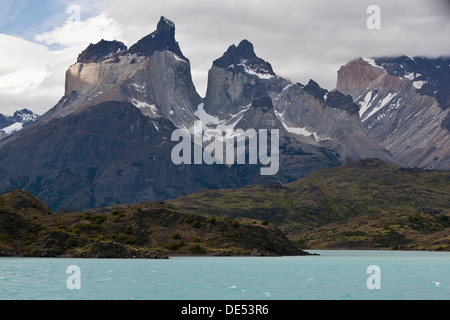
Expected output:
(338, 100)
(242, 58)
(163, 39)
(246, 50)
(315, 90)
(166, 25)
(21, 113)
(101, 51)
(24, 116)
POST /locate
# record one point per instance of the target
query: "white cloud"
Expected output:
(24, 66)
(74, 35)
(32, 75)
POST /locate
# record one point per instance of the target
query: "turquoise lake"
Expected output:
(334, 275)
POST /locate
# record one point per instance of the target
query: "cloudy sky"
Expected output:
(302, 39)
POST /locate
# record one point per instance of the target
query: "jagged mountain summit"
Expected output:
(163, 39)
(244, 59)
(236, 77)
(404, 106)
(153, 75)
(14, 123)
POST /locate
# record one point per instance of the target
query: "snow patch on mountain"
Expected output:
(212, 122)
(418, 84)
(260, 73)
(206, 118)
(298, 130)
(138, 87)
(383, 104)
(303, 132)
(13, 128)
(365, 105)
(412, 75)
(177, 58)
(147, 109)
(372, 62)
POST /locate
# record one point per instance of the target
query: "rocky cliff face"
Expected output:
(297, 159)
(242, 94)
(153, 75)
(403, 106)
(327, 119)
(236, 77)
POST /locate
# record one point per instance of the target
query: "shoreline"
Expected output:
(313, 253)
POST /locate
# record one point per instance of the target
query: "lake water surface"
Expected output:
(334, 275)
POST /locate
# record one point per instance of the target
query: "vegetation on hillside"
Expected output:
(145, 230)
(362, 204)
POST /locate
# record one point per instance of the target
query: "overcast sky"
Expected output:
(302, 39)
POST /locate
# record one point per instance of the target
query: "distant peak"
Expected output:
(163, 39)
(244, 59)
(235, 55)
(23, 111)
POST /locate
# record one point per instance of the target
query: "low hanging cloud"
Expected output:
(301, 39)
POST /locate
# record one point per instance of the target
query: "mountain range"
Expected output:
(108, 141)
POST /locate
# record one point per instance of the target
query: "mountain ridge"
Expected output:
(142, 231)
(384, 205)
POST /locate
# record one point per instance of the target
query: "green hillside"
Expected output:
(145, 230)
(362, 204)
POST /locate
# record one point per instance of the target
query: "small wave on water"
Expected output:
(332, 275)
(104, 279)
